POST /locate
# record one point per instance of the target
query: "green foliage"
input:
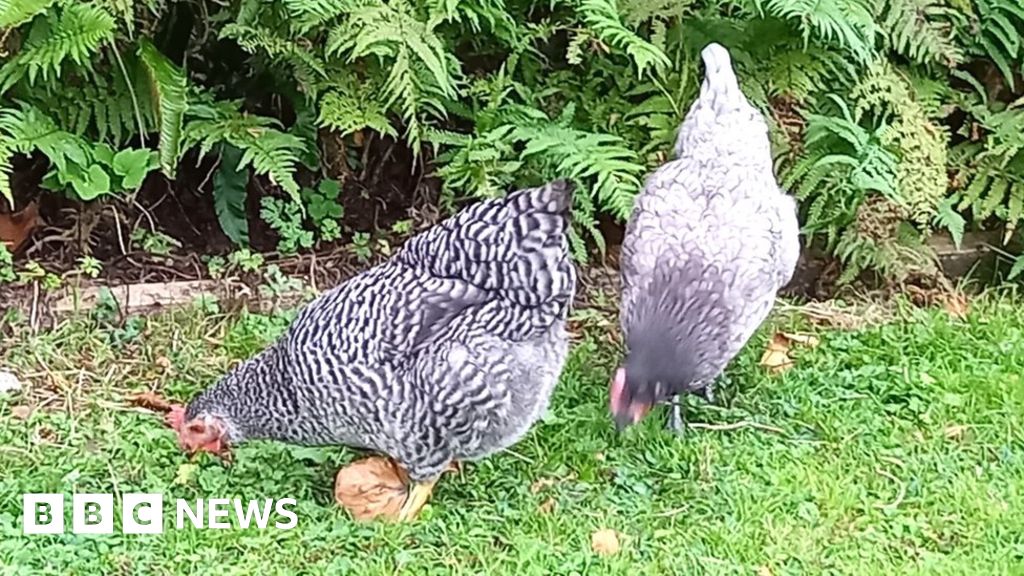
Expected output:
(6, 265)
(168, 84)
(285, 218)
(70, 32)
(325, 209)
(229, 192)
(507, 93)
(265, 146)
(991, 168)
(1002, 25)
(602, 16)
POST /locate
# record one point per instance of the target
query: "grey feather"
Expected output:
(711, 240)
(450, 350)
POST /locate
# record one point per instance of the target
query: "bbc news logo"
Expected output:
(144, 513)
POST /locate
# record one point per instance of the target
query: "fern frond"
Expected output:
(72, 32)
(923, 31)
(993, 169)
(168, 88)
(306, 15)
(605, 160)
(14, 13)
(393, 30)
(104, 109)
(347, 112)
(269, 150)
(1002, 26)
(27, 129)
(482, 166)
(308, 65)
(920, 143)
(847, 23)
(602, 16)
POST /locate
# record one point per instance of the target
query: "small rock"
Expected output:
(21, 412)
(9, 383)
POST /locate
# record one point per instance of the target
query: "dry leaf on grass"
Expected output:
(547, 507)
(764, 571)
(21, 412)
(152, 401)
(776, 356)
(371, 488)
(605, 542)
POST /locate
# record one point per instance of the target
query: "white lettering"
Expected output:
(283, 511)
(217, 508)
(42, 513)
(92, 514)
(142, 514)
(196, 517)
(262, 515)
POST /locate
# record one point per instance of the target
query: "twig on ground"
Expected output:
(735, 426)
(900, 495)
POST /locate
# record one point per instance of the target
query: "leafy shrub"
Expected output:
(890, 118)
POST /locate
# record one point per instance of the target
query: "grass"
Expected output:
(901, 451)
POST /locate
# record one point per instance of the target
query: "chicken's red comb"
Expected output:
(175, 418)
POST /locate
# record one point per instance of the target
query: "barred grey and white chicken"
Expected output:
(447, 352)
(711, 240)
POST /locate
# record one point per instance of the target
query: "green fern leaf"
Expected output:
(602, 16)
(923, 30)
(848, 23)
(947, 217)
(1017, 269)
(229, 191)
(14, 13)
(72, 33)
(168, 86)
(348, 113)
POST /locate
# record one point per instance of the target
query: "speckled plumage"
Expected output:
(448, 351)
(710, 241)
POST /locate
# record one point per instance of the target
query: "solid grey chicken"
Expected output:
(449, 351)
(711, 240)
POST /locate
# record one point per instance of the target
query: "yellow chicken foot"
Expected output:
(419, 493)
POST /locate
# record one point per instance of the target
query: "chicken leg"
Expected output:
(677, 420)
(419, 494)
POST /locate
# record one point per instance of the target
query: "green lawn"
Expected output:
(899, 450)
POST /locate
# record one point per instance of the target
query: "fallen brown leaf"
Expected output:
(764, 571)
(16, 228)
(547, 507)
(371, 488)
(776, 356)
(605, 542)
(21, 412)
(152, 401)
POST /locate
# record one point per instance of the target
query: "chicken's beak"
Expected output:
(626, 411)
(632, 414)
